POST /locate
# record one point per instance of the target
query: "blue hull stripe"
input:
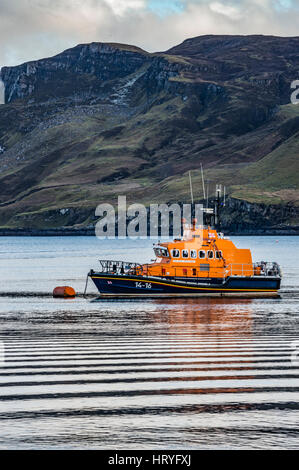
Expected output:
(113, 284)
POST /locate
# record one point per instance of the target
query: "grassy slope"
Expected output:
(80, 159)
(275, 178)
(79, 179)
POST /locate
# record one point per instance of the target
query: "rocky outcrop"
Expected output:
(101, 61)
(243, 217)
(237, 218)
(87, 68)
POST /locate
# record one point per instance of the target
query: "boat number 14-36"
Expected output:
(140, 285)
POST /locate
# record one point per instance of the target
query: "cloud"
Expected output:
(230, 11)
(120, 7)
(32, 29)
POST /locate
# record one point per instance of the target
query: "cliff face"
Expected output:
(100, 120)
(237, 218)
(98, 61)
(269, 62)
(98, 71)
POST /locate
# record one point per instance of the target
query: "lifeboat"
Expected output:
(202, 263)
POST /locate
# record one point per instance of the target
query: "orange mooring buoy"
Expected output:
(64, 292)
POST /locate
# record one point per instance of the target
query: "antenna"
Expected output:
(207, 193)
(191, 189)
(203, 182)
(217, 205)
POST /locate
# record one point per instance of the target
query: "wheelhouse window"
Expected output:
(202, 254)
(193, 254)
(219, 254)
(161, 252)
(185, 253)
(210, 254)
(175, 253)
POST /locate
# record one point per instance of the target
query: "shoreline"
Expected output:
(91, 232)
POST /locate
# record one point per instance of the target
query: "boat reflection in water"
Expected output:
(208, 346)
(216, 316)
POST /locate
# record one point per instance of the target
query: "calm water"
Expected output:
(195, 373)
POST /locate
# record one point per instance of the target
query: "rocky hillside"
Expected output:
(102, 120)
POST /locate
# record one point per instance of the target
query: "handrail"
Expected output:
(230, 270)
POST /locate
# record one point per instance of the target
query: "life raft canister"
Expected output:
(64, 292)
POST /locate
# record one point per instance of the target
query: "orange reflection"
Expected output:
(209, 335)
(206, 316)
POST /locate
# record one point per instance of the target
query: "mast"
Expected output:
(203, 182)
(217, 206)
(191, 189)
(207, 194)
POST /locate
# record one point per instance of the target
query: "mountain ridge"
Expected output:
(103, 119)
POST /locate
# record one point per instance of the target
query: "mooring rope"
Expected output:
(86, 283)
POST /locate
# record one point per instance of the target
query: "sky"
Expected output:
(34, 29)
